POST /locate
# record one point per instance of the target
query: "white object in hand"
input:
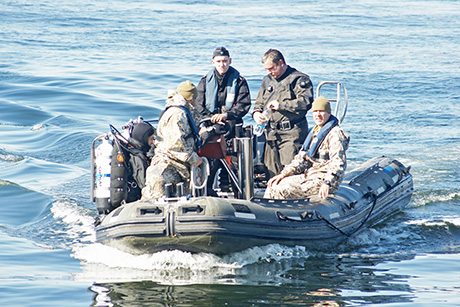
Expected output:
(259, 128)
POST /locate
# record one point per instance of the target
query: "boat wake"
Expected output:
(104, 264)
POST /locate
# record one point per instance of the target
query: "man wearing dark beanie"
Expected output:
(223, 95)
(144, 134)
(142, 137)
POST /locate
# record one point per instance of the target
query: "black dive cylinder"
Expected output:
(119, 176)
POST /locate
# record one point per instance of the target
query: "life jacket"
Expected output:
(311, 144)
(212, 88)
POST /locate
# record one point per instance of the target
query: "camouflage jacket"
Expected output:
(174, 141)
(329, 163)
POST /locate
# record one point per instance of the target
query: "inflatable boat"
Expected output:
(225, 223)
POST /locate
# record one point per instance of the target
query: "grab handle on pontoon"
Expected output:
(341, 105)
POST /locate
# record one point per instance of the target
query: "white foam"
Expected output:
(78, 223)
(442, 221)
(434, 197)
(10, 158)
(102, 263)
(366, 237)
(38, 127)
(268, 253)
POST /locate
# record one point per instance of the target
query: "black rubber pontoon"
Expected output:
(369, 194)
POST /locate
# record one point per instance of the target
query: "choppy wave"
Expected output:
(21, 206)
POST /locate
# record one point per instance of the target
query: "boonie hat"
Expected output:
(321, 104)
(187, 90)
(222, 51)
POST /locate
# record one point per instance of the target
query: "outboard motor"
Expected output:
(100, 176)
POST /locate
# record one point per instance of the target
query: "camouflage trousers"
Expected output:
(294, 187)
(158, 175)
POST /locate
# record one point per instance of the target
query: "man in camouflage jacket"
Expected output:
(176, 145)
(319, 166)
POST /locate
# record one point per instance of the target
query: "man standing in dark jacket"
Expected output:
(288, 94)
(223, 95)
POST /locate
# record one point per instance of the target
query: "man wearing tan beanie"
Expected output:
(177, 142)
(319, 167)
(187, 90)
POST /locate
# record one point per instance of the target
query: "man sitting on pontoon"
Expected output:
(320, 165)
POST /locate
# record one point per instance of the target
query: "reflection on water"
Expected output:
(320, 280)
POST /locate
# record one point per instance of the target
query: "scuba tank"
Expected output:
(101, 175)
(112, 166)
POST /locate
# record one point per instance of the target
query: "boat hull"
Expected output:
(368, 194)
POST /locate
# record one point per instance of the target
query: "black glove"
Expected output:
(221, 129)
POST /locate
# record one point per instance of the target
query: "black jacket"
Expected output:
(294, 92)
(242, 102)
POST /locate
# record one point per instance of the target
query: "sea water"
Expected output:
(68, 69)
